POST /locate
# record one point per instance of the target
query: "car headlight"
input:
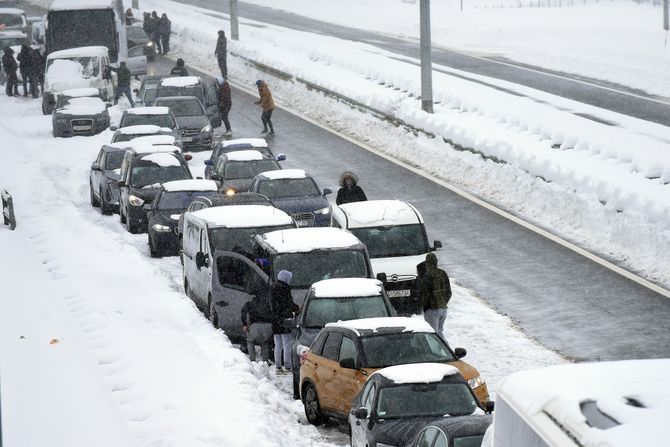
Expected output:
(135, 201)
(206, 129)
(325, 210)
(161, 228)
(150, 44)
(475, 382)
(101, 119)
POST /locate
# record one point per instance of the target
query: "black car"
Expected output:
(464, 431)
(136, 37)
(143, 171)
(196, 130)
(164, 213)
(80, 112)
(104, 177)
(223, 147)
(398, 401)
(234, 171)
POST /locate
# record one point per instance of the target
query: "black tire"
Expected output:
(154, 252)
(132, 229)
(105, 208)
(312, 406)
(211, 312)
(187, 289)
(122, 217)
(94, 202)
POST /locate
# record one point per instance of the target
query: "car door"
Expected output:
(190, 246)
(347, 380)
(97, 174)
(235, 280)
(324, 371)
(359, 426)
(137, 61)
(202, 274)
(212, 105)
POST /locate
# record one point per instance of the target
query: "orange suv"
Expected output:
(344, 354)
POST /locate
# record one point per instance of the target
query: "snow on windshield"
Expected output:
(66, 69)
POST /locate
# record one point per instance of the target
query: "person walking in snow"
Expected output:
(349, 190)
(164, 30)
(257, 325)
(283, 307)
(225, 101)
(267, 104)
(155, 33)
(25, 66)
(435, 293)
(221, 53)
(10, 66)
(179, 69)
(123, 83)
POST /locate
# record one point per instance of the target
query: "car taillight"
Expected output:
(303, 356)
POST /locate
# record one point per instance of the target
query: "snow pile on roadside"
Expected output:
(588, 181)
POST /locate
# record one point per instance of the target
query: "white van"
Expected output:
(606, 404)
(394, 233)
(227, 229)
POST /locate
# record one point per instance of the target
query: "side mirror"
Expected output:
(489, 405)
(290, 323)
(460, 352)
(361, 413)
(382, 277)
(201, 260)
(281, 157)
(95, 167)
(348, 363)
(327, 191)
(436, 245)
(121, 183)
(209, 162)
(113, 128)
(216, 177)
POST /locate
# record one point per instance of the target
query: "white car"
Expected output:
(13, 19)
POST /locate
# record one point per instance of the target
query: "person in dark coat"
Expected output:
(221, 53)
(155, 35)
(164, 30)
(225, 101)
(25, 66)
(39, 63)
(257, 324)
(283, 307)
(179, 69)
(267, 104)
(123, 83)
(129, 16)
(147, 24)
(349, 190)
(34, 62)
(10, 66)
(435, 293)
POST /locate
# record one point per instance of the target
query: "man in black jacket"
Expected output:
(179, 69)
(283, 307)
(10, 66)
(349, 191)
(123, 83)
(257, 324)
(221, 53)
(25, 67)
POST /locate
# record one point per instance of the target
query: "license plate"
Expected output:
(398, 293)
(302, 223)
(81, 127)
(186, 139)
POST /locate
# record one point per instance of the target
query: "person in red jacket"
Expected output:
(225, 102)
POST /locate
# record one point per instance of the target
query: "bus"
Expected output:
(77, 23)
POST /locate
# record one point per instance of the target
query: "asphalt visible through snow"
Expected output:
(595, 92)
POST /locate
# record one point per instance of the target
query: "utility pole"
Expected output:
(426, 63)
(234, 24)
(666, 21)
(136, 4)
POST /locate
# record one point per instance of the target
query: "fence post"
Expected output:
(8, 210)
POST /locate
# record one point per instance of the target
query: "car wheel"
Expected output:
(105, 208)
(132, 229)
(122, 217)
(312, 407)
(212, 315)
(154, 252)
(94, 201)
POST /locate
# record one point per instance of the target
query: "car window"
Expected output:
(136, 52)
(288, 188)
(237, 274)
(369, 395)
(320, 311)
(393, 240)
(135, 32)
(348, 349)
(177, 200)
(331, 349)
(132, 119)
(190, 238)
(425, 399)
(203, 242)
(317, 344)
(310, 267)
(182, 107)
(11, 20)
(113, 160)
(408, 347)
(150, 175)
(461, 441)
(212, 97)
(240, 240)
(218, 166)
(248, 169)
(101, 157)
(427, 437)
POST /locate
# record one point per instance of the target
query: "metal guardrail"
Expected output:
(8, 210)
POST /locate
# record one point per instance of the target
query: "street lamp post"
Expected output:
(426, 63)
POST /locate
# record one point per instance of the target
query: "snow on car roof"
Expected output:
(190, 185)
(148, 111)
(417, 372)
(141, 129)
(80, 4)
(347, 287)
(79, 52)
(253, 142)
(244, 156)
(180, 81)
(376, 213)
(301, 240)
(161, 140)
(81, 92)
(162, 159)
(13, 34)
(11, 11)
(284, 174)
(373, 324)
(560, 390)
(243, 216)
(84, 106)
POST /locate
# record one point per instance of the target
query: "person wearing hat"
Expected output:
(10, 66)
(221, 53)
(225, 101)
(283, 307)
(267, 104)
(179, 69)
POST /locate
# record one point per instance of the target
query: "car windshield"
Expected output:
(114, 160)
(149, 96)
(391, 241)
(239, 240)
(180, 200)
(313, 266)
(468, 441)
(149, 174)
(408, 347)
(425, 399)
(84, 66)
(218, 150)
(11, 41)
(248, 169)
(183, 107)
(320, 311)
(11, 20)
(135, 32)
(288, 187)
(195, 90)
(132, 119)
